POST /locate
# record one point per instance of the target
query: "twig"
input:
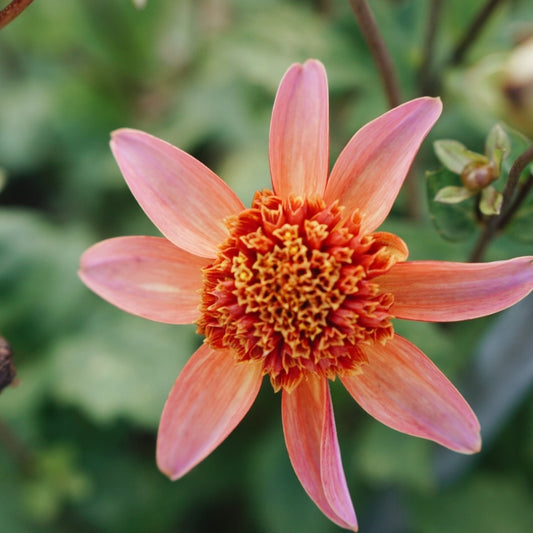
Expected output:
(13, 10)
(521, 195)
(520, 164)
(376, 44)
(473, 31)
(426, 80)
(509, 205)
(378, 49)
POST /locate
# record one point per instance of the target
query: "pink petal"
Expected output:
(181, 196)
(208, 400)
(370, 170)
(299, 132)
(313, 448)
(145, 276)
(438, 291)
(403, 389)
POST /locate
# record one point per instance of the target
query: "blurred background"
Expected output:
(78, 426)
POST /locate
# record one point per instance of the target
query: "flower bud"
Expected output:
(477, 175)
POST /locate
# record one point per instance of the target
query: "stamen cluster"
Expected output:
(292, 287)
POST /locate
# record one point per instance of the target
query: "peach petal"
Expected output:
(145, 276)
(402, 388)
(311, 440)
(208, 400)
(299, 132)
(182, 197)
(372, 167)
(439, 291)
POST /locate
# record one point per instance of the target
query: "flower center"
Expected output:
(292, 287)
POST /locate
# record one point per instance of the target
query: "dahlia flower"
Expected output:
(299, 287)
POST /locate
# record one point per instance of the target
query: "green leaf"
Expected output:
(484, 503)
(385, 456)
(40, 289)
(131, 495)
(455, 222)
(498, 145)
(56, 480)
(453, 194)
(278, 500)
(120, 366)
(491, 201)
(518, 145)
(455, 156)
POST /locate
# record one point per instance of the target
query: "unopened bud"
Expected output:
(476, 175)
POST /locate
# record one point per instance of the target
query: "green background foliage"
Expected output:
(77, 429)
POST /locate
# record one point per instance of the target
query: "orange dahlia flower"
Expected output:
(300, 287)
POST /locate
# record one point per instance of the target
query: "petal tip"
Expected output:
(473, 446)
(432, 105)
(121, 132)
(314, 63)
(172, 472)
(120, 137)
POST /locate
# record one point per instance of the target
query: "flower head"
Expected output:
(300, 287)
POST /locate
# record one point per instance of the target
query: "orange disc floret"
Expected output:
(292, 287)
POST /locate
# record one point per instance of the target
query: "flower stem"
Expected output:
(473, 31)
(376, 44)
(510, 203)
(13, 10)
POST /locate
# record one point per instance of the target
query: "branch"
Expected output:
(426, 79)
(473, 31)
(12, 11)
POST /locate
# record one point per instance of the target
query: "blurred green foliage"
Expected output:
(77, 431)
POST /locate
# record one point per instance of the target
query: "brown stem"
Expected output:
(520, 164)
(378, 49)
(13, 10)
(473, 31)
(521, 195)
(376, 44)
(426, 79)
(509, 204)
